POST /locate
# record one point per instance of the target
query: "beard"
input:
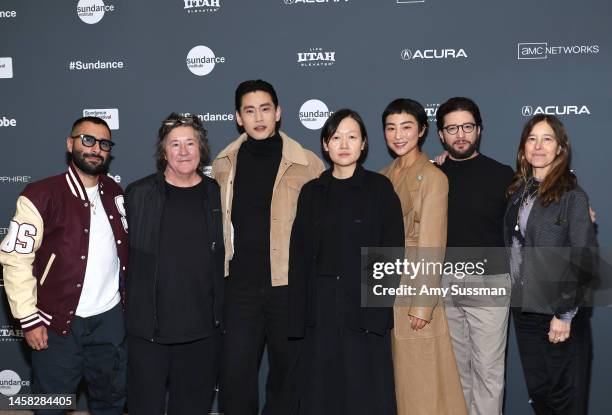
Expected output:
(80, 160)
(465, 154)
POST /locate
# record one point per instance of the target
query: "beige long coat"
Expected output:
(426, 378)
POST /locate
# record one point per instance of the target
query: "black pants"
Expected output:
(255, 317)
(94, 349)
(186, 371)
(557, 375)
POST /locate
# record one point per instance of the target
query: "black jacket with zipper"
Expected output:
(144, 201)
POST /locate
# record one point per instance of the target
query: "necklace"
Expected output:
(527, 195)
(94, 201)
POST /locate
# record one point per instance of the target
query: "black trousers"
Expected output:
(557, 375)
(186, 371)
(94, 349)
(255, 317)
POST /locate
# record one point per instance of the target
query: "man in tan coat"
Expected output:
(260, 175)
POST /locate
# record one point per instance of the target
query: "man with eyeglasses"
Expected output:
(476, 206)
(64, 259)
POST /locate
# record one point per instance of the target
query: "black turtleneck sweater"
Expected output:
(476, 206)
(256, 170)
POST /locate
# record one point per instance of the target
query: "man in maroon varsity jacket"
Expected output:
(64, 260)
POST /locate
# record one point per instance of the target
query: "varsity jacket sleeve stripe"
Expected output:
(17, 254)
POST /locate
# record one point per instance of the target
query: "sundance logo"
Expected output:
(202, 6)
(92, 11)
(212, 117)
(201, 60)
(110, 115)
(11, 383)
(409, 54)
(314, 113)
(94, 66)
(543, 50)
(316, 57)
(290, 2)
(528, 110)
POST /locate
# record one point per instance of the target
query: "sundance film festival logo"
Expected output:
(425, 54)
(10, 333)
(313, 114)
(292, 2)
(95, 65)
(544, 51)
(202, 6)
(92, 11)
(110, 115)
(201, 60)
(11, 383)
(6, 68)
(529, 111)
(316, 57)
(212, 117)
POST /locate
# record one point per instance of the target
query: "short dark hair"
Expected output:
(254, 85)
(458, 104)
(93, 120)
(331, 125)
(409, 106)
(173, 121)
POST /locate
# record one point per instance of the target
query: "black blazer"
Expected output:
(559, 259)
(375, 220)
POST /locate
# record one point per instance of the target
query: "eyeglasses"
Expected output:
(468, 127)
(90, 141)
(182, 120)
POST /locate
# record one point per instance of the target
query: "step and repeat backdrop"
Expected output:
(132, 62)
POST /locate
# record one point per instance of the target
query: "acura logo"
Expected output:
(406, 54)
(289, 1)
(527, 111)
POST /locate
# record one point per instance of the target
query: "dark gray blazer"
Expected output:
(559, 256)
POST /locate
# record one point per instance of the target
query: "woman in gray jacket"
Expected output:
(551, 239)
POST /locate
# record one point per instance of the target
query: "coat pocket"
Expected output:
(47, 268)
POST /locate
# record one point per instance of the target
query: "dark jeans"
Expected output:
(255, 317)
(94, 349)
(557, 374)
(186, 371)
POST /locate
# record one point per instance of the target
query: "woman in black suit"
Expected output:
(552, 240)
(346, 365)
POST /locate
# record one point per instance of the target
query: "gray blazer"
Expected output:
(559, 258)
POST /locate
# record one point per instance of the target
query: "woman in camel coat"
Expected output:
(426, 377)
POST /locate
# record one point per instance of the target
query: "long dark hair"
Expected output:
(559, 179)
